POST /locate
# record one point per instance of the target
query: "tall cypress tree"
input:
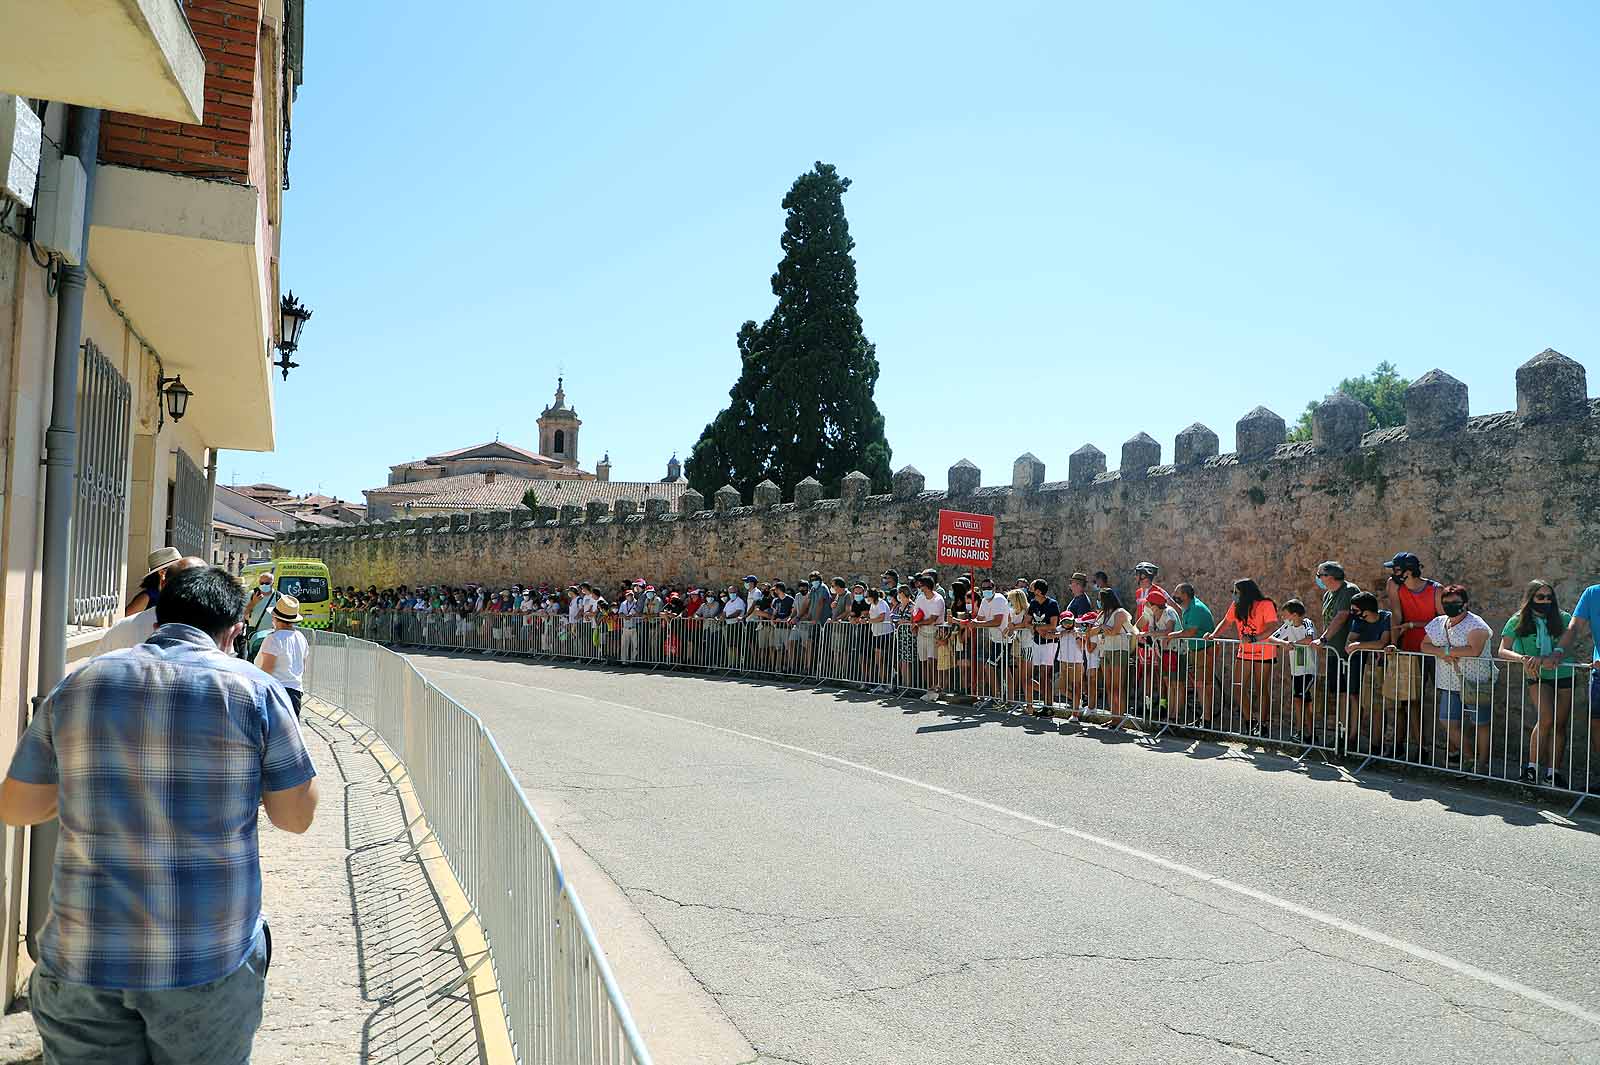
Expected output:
(802, 406)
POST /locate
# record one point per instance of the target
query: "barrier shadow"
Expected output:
(398, 919)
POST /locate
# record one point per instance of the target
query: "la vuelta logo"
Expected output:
(965, 540)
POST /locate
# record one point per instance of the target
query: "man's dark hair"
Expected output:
(1100, 576)
(1363, 601)
(206, 597)
(1184, 589)
(1041, 586)
(1331, 569)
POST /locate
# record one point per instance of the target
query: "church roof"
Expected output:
(434, 486)
(493, 449)
(506, 492)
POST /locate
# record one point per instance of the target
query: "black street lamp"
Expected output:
(176, 394)
(292, 317)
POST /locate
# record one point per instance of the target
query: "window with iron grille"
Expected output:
(100, 510)
(191, 525)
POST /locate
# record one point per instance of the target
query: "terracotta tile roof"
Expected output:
(432, 486)
(507, 492)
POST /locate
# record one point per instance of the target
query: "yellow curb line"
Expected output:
(493, 1030)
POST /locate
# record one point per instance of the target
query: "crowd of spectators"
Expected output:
(1146, 652)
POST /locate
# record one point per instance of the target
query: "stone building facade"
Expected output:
(1492, 501)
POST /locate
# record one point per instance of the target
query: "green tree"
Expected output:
(530, 499)
(803, 404)
(1382, 392)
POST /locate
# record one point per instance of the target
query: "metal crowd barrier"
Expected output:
(1382, 706)
(561, 1001)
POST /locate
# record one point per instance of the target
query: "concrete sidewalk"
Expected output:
(353, 978)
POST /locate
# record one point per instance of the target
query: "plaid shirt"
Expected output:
(161, 752)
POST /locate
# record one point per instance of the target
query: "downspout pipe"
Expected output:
(60, 490)
(209, 532)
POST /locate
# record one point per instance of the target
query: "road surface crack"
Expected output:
(1231, 1044)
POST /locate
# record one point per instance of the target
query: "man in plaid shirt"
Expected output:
(156, 758)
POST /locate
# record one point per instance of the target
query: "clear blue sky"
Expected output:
(1087, 221)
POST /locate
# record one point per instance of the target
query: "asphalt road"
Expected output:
(858, 882)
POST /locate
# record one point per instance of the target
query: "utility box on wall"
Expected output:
(58, 219)
(21, 136)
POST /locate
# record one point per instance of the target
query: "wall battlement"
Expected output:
(1492, 500)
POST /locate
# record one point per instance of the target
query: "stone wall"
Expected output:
(1492, 500)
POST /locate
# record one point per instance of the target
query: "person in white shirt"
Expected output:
(928, 613)
(137, 628)
(1298, 634)
(283, 653)
(1161, 663)
(1460, 640)
(989, 657)
(733, 633)
(880, 616)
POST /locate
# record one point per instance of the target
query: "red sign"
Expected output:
(965, 540)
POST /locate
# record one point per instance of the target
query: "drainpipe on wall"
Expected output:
(60, 488)
(211, 505)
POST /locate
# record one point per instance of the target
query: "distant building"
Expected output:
(497, 475)
(308, 508)
(239, 535)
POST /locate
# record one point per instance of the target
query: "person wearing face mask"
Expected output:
(1336, 617)
(928, 613)
(1530, 636)
(630, 611)
(880, 619)
(990, 655)
(888, 582)
(1459, 640)
(821, 612)
(734, 609)
(1415, 602)
(1369, 638)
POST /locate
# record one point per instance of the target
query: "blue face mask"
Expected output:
(1322, 584)
(860, 596)
(988, 593)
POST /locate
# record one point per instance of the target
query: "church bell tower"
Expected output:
(558, 430)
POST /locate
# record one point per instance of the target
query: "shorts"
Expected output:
(995, 652)
(802, 632)
(1338, 676)
(1558, 684)
(1594, 695)
(927, 643)
(1117, 661)
(294, 701)
(881, 641)
(1044, 654)
(767, 635)
(1303, 685)
(1071, 653)
(1453, 708)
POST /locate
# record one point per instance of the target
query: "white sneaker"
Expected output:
(930, 696)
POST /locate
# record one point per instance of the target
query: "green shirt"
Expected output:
(1197, 616)
(1538, 643)
(1336, 601)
